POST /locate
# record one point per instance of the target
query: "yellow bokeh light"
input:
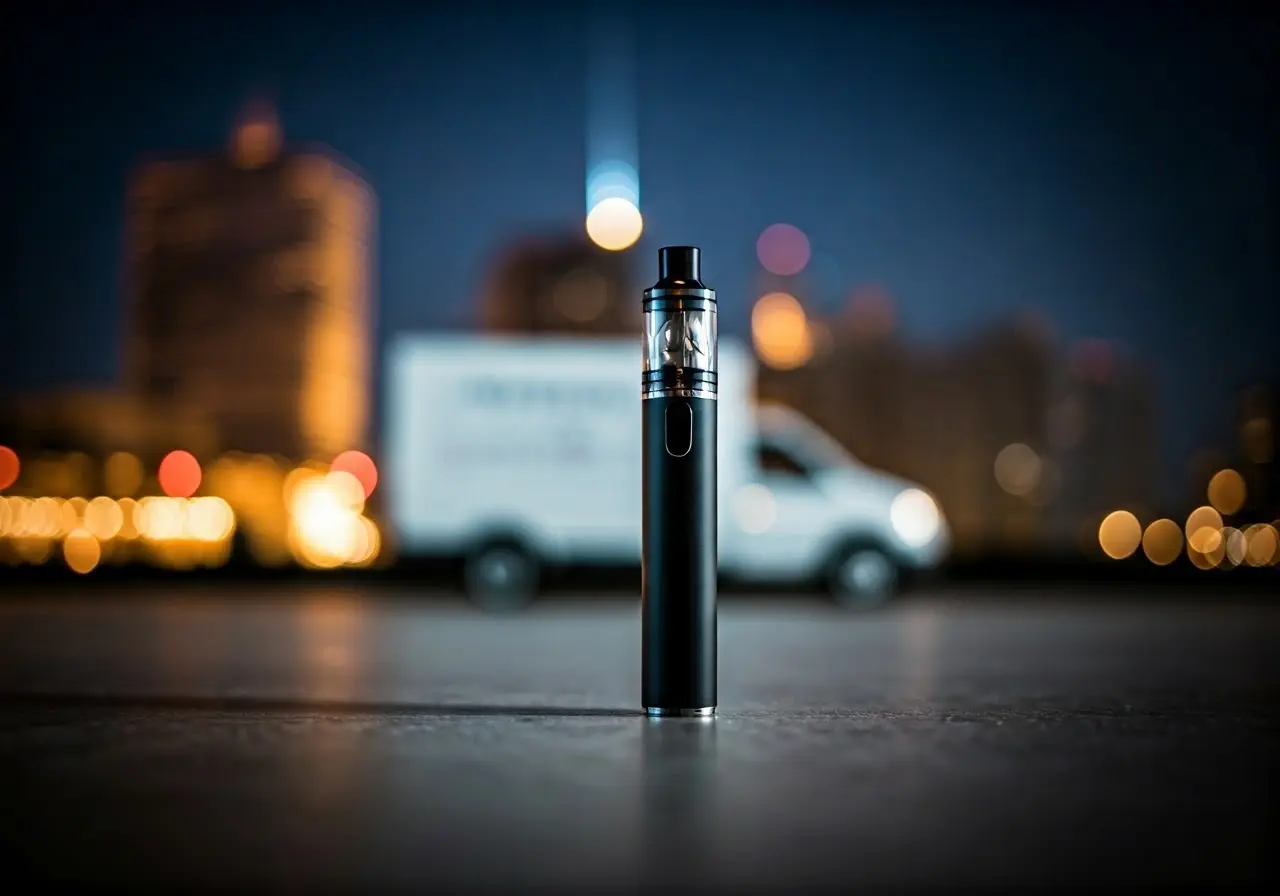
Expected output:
(781, 332)
(323, 527)
(209, 519)
(1206, 547)
(1162, 542)
(70, 514)
(103, 518)
(81, 551)
(326, 526)
(1120, 534)
(297, 477)
(13, 519)
(369, 543)
(161, 519)
(1207, 540)
(41, 518)
(1234, 546)
(1227, 491)
(1262, 545)
(128, 517)
(347, 489)
(614, 224)
(1200, 521)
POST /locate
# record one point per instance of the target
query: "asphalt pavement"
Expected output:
(339, 740)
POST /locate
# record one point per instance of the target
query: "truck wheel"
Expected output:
(501, 576)
(864, 578)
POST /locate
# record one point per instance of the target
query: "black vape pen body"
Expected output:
(679, 527)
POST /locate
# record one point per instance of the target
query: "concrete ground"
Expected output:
(337, 739)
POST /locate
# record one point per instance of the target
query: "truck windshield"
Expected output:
(805, 447)
(777, 462)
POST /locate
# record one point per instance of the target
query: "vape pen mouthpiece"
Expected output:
(680, 264)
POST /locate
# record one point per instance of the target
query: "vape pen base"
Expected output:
(680, 712)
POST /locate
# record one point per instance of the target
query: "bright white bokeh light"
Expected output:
(323, 522)
(614, 224)
(209, 519)
(347, 489)
(915, 517)
(161, 519)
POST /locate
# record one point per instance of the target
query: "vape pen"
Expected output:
(679, 433)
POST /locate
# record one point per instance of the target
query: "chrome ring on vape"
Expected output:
(666, 712)
(657, 390)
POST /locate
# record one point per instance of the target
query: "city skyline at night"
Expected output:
(973, 166)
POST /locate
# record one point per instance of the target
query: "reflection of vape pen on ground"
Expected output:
(679, 555)
(680, 822)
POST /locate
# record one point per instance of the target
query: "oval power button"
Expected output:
(679, 428)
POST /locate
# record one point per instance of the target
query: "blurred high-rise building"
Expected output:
(98, 422)
(998, 462)
(969, 420)
(561, 286)
(250, 288)
(1103, 437)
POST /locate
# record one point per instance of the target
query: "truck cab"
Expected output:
(809, 510)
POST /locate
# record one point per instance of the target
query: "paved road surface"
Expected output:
(332, 742)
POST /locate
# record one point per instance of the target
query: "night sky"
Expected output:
(1117, 173)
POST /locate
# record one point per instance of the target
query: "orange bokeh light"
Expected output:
(359, 465)
(179, 474)
(9, 467)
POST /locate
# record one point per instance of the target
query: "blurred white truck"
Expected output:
(519, 453)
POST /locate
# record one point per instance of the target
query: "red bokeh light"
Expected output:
(359, 465)
(9, 467)
(179, 474)
(783, 249)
